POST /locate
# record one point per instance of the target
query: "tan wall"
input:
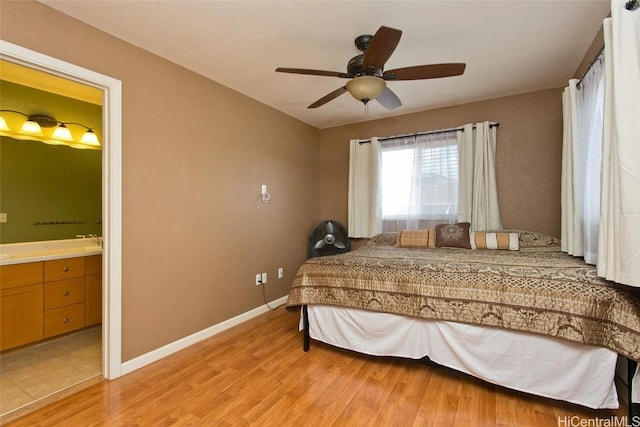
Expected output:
(590, 54)
(194, 156)
(528, 155)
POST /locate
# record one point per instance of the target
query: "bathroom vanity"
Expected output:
(48, 289)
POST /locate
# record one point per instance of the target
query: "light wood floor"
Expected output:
(257, 374)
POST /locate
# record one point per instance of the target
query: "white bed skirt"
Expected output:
(535, 364)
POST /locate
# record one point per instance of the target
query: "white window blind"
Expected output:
(419, 176)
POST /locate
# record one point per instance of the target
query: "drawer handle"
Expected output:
(65, 269)
(65, 320)
(66, 293)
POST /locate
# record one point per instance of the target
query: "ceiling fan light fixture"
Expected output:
(366, 88)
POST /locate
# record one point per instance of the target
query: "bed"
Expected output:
(532, 319)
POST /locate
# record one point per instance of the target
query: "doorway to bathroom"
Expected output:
(107, 336)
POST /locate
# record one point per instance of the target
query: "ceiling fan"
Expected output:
(367, 75)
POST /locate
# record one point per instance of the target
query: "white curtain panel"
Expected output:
(591, 101)
(568, 241)
(365, 216)
(581, 159)
(619, 243)
(478, 190)
(465, 174)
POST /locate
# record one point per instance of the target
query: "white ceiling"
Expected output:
(509, 46)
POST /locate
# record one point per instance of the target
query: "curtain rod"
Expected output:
(631, 5)
(433, 132)
(596, 59)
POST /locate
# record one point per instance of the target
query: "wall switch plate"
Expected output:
(264, 278)
(280, 273)
(258, 279)
(3, 217)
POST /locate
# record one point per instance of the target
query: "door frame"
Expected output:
(111, 190)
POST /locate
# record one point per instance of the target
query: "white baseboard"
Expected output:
(166, 350)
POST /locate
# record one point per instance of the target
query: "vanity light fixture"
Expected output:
(61, 134)
(32, 128)
(90, 138)
(3, 125)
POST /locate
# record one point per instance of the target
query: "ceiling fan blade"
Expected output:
(313, 72)
(388, 99)
(380, 48)
(319, 244)
(420, 72)
(338, 244)
(336, 93)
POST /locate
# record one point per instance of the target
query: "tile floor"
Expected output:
(38, 371)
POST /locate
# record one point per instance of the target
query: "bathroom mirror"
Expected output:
(48, 192)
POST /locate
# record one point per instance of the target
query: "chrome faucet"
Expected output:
(96, 239)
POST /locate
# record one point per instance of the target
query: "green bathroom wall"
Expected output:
(48, 192)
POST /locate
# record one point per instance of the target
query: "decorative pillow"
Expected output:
(383, 239)
(535, 239)
(432, 238)
(453, 235)
(413, 238)
(494, 240)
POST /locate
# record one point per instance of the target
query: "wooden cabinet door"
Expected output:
(22, 312)
(93, 299)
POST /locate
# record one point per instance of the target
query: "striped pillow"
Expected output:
(416, 239)
(494, 240)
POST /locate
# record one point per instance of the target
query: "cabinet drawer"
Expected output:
(64, 319)
(20, 274)
(63, 292)
(59, 269)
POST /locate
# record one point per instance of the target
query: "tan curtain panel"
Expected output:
(365, 218)
(477, 191)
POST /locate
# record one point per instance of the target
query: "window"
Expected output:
(419, 180)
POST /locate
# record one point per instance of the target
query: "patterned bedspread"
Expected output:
(536, 289)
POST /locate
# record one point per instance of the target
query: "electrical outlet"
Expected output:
(3, 217)
(280, 273)
(258, 279)
(264, 278)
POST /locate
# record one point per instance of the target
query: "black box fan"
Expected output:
(328, 238)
